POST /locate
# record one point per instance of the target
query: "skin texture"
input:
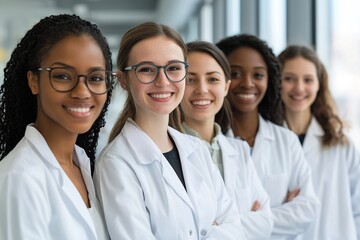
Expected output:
(58, 116)
(206, 88)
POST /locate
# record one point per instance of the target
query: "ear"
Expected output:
(33, 82)
(121, 76)
(227, 86)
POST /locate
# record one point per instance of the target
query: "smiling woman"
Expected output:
(56, 90)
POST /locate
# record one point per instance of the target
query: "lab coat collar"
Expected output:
(39, 144)
(264, 130)
(313, 136)
(147, 152)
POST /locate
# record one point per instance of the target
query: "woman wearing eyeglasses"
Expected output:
(56, 90)
(153, 181)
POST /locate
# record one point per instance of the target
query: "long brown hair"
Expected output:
(131, 37)
(324, 107)
(224, 116)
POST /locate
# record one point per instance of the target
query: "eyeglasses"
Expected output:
(64, 79)
(148, 72)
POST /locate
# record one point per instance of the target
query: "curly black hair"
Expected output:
(270, 107)
(18, 106)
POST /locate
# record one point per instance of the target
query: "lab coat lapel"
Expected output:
(193, 178)
(313, 137)
(229, 156)
(69, 190)
(261, 146)
(148, 153)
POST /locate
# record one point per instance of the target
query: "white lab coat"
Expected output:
(281, 166)
(143, 197)
(38, 201)
(244, 186)
(336, 177)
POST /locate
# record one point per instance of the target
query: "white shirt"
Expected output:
(242, 183)
(143, 197)
(281, 166)
(336, 176)
(38, 201)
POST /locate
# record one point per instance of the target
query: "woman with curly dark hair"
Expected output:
(254, 96)
(57, 86)
(310, 112)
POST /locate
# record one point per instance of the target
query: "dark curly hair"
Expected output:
(18, 106)
(270, 107)
(323, 108)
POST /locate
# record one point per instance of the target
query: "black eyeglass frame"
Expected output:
(108, 83)
(134, 67)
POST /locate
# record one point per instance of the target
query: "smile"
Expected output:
(79, 110)
(201, 102)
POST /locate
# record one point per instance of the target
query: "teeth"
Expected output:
(161, 95)
(245, 96)
(80, 110)
(201, 102)
(297, 97)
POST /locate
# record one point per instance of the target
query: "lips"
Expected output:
(160, 95)
(79, 109)
(201, 102)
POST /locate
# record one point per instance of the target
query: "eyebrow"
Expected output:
(208, 73)
(73, 68)
(256, 67)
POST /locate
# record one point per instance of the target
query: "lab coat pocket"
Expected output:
(276, 186)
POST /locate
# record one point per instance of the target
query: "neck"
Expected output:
(61, 143)
(246, 126)
(298, 122)
(156, 128)
(205, 129)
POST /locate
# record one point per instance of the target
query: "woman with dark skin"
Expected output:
(57, 86)
(254, 96)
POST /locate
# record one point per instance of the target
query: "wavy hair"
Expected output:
(323, 108)
(18, 106)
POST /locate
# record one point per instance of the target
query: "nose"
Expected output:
(162, 80)
(81, 90)
(246, 80)
(201, 87)
(299, 85)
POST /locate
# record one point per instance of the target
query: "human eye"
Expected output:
(309, 80)
(236, 74)
(175, 67)
(258, 75)
(213, 80)
(146, 69)
(62, 74)
(287, 78)
(97, 77)
(190, 80)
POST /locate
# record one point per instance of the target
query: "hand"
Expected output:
(256, 206)
(293, 194)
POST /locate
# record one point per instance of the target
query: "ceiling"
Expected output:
(114, 17)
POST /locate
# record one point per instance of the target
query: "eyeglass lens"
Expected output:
(147, 73)
(65, 79)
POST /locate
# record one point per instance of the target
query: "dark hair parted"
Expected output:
(270, 107)
(18, 106)
(224, 116)
(133, 36)
(323, 108)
